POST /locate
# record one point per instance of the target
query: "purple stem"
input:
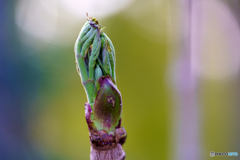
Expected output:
(187, 114)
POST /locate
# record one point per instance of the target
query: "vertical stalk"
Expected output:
(187, 106)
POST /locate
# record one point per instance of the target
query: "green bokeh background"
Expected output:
(55, 124)
(141, 69)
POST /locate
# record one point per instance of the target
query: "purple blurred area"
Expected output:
(207, 66)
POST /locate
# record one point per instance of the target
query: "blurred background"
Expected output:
(177, 65)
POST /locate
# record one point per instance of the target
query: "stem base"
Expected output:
(113, 153)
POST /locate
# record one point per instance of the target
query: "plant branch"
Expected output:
(95, 58)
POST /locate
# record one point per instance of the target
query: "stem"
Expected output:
(114, 153)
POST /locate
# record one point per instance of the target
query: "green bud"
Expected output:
(108, 56)
(107, 106)
(98, 72)
(95, 57)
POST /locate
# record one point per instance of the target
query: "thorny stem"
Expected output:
(95, 58)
